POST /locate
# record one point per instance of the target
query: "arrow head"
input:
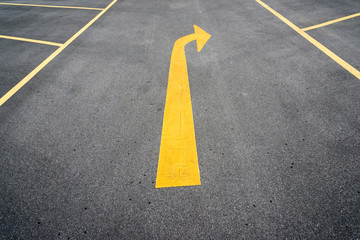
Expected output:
(202, 37)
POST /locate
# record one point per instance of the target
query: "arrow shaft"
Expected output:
(178, 65)
(178, 162)
(181, 42)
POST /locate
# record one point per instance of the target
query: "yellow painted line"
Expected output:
(331, 22)
(321, 47)
(31, 40)
(18, 86)
(178, 161)
(50, 6)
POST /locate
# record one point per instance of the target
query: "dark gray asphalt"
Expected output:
(49, 24)
(346, 47)
(277, 123)
(18, 59)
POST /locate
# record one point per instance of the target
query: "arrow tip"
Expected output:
(202, 38)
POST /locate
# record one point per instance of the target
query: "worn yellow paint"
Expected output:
(331, 22)
(321, 47)
(31, 40)
(18, 86)
(50, 6)
(178, 161)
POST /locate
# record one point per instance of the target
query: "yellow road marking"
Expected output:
(178, 162)
(18, 86)
(50, 6)
(331, 22)
(325, 50)
(31, 40)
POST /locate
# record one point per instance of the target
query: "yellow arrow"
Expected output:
(178, 162)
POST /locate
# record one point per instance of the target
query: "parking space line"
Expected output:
(18, 86)
(50, 6)
(31, 40)
(331, 22)
(321, 47)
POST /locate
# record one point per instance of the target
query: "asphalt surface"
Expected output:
(277, 122)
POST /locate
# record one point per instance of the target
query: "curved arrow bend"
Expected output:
(178, 162)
